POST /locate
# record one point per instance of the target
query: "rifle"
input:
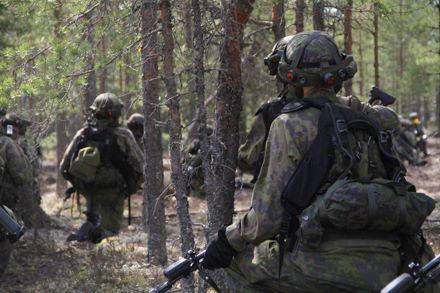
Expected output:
(13, 229)
(182, 269)
(378, 95)
(416, 278)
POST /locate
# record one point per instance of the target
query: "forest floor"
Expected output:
(43, 262)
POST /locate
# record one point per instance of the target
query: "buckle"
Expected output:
(341, 126)
(384, 137)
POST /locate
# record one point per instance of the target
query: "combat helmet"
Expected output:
(313, 59)
(136, 121)
(274, 57)
(107, 106)
(16, 120)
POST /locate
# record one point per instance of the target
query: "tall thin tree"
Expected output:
(61, 121)
(153, 205)
(235, 15)
(318, 15)
(89, 89)
(278, 21)
(299, 15)
(376, 42)
(348, 40)
(177, 175)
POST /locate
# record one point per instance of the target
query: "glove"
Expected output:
(219, 252)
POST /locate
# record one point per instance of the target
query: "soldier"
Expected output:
(136, 125)
(251, 153)
(33, 154)
(405, 143)
(192, 162)
(16, 173)
(421, 137)
(104, 163)
(322, 158)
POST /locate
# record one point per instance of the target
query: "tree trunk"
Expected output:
(437, 118)
(318, 15)
(299, 15)
(61, 124)
(190, 104)
(89, 90)
(361, 66)
(376, 43)
(235, 15)
(103, 74)
(177, 175)
(400, 59)
(153, 205)
(278, 22)
(348, 41)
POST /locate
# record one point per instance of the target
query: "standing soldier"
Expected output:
(104, 163)
(136, 125)
(421, 137)
(329, 185)
(16, 174)
(405, 143)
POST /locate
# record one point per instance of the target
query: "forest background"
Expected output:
(197, 61)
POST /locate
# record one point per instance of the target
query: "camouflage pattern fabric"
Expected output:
(16, 174)
(193, 167)
(107, 193)
(34, 156)
(337, 265)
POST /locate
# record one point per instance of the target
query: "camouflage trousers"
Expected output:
(336, 266)
(109, 205)
(5, 253)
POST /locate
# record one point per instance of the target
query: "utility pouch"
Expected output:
(85, 165)
(378, 205)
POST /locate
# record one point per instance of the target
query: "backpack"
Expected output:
(348, 180)
(99, 162)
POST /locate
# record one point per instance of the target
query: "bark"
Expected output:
(318, 15)
(400, 58)
(278, 21)
(153, 205)
(361, 66)
(61, 124)
(190, 104)
(376, 43)
(348, 41)
(103, 74)
(177, 176)
(438, 81)
(89, 90)
(235, 15)
(299, 15)
(199, 72)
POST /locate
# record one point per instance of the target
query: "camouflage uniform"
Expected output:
(405, 143)
(342, 261)
(106, 194)
(17, 173)
(192, 162)
(419, 133)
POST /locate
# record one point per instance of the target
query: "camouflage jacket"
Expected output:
(17, 171)
(249, 152)
(289, 138)
(127, 145)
